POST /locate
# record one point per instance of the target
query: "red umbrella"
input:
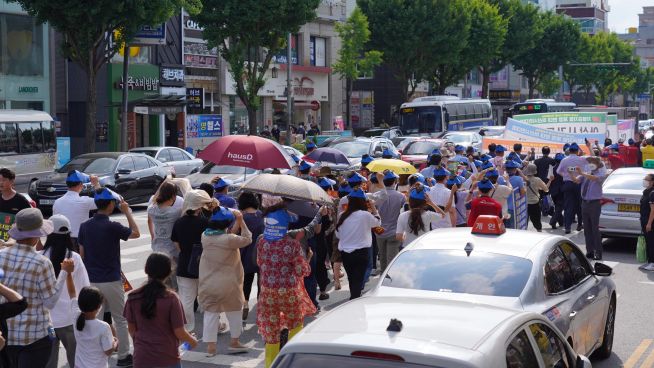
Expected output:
(247, 151)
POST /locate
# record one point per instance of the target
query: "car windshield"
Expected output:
(624, 181)
(415, 120)
(328, 361)
(458, 138)
(226, 169)
(453, 271)
(92, 166)
(421, 148)
(150, 153)
(353, 149)
(493, 132)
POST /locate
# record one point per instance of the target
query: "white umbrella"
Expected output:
(287, 186)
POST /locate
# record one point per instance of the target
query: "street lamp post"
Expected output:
(289, 91)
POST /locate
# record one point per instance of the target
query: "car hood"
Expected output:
(60, 178)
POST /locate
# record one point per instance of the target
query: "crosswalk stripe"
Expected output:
(649, 361)
(136, 250)
(635, 357)
(136, 275)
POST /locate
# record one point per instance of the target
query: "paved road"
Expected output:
(634, 336)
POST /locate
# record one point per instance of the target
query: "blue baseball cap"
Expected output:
(478, 163)
(631, 141)
(453, 180)
(492, 173)
(487, 165)
(326, 183)
(388, 175)
(419, 192)
(459, 148)
(366, 159)
(614, 146)
(485, 184)
(222, 214)
(344, 188)
(485, 158)
(296, 159)
(357, 193)
(500, 148)
(559, 156)
(436, 152)
(305, 166)
(510, 164)
(77, 177)
(221, 183)
(356, 179)
(574, 147)
(387, 153)
(566, 146)
(418, 178)
(311, 145)
(441, 172)
(107, 195)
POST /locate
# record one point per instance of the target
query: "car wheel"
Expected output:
(605, 350)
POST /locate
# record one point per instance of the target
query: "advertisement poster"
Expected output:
(516, 130)
(526, 145)
(521, 216)
(6, 221)
(63, 151)
(203, 126)
(626, 129)
(591, 125)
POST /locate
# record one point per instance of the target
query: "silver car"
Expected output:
(464, 139)
(182, 162)
(535, 272)
(235, 174)
(620, 216)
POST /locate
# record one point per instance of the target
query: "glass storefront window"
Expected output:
(21, 46)
(27, 105)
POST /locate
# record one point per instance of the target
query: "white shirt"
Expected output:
(440, 195)
(60, 314)
(429, 218)
(355, 232)
(501, 193)
(92, 341)
(76, 209)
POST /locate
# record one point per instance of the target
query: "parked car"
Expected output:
(535, 272)
(354, 148)
(389, 133)
(620, 215)
(417, 151)
(134, 176)
(464, 139)
(401, 142)
(415, 332)
(237, 175)
(182, 162)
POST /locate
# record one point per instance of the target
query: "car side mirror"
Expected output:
(583, 362)
(602, 270)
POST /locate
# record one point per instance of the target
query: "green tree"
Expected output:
(582, 77)
(85, 26)
(353, 60)
(549, 85)
(557, 46)
(248, 33)
(609, 78)
(398, 30)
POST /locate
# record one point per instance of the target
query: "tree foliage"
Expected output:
(248, 33)
(85, 26)
(353, 58)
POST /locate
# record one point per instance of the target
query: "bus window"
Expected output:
(479, 111)
(416, 120)
(454, 111)
(8, 139)
(49, 139)
(31, 138)
(487, 111)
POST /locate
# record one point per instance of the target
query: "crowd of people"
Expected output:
(209, 247)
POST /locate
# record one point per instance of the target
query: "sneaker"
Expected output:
(323, 296)
(567, 231)
(647, 267)
(580, 227)
(126, 361)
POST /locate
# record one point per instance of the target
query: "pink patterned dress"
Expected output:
(283, 301)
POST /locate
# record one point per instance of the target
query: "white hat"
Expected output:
(60, 224)
(195, 199)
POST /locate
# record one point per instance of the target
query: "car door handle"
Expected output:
(573, 314)
(591, 297)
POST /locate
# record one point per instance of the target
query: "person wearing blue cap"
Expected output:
(354, 231)
(76, 208)
(417, 178)
(387, 154)
(220, 280)
(517, 180)
(310, 146)
(221, 187)
(366, 159)
(556, 192)
(571, 190)
(502, 189)
(99, 243)
(389, 210)
(498, 160)
(460, 196)
(484, 204)
(326, 184)
(417, 220)
(305, 170)
(442, 197)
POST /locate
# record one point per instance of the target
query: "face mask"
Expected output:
(645, 183)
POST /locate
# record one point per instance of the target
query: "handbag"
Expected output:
(641, 250)
(193, 267)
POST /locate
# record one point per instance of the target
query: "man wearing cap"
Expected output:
(387, 154)
(389, 210)
(310, 147)
(459, 154)
(305, 169)
(590, 178)
(498, 160)
(442, 197)
(76, 208)
(99, 242)
(434, 162)
(484, 204)
(221, 186)
(571, 190)
(31, 274)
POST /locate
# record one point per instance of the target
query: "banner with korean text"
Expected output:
(520, 131)
(526, 145)
(590, 125)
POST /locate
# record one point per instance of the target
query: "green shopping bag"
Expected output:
(641, 250)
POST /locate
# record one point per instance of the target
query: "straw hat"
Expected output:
(196, 199)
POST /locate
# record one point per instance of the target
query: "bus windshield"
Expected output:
(424, 119)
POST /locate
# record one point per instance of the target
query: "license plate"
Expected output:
(628, 208)
(46, 201)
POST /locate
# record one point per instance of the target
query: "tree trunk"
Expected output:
(348, 103)
(485, 73)
(91, 107)
(252, 119)
(532, 87)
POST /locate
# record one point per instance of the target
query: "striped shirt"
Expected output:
(31, 274)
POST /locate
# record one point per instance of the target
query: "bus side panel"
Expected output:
(30, 166)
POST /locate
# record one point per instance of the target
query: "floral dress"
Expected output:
(283, 302)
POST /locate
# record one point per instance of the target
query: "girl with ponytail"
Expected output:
(417, 220)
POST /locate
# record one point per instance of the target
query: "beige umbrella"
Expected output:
(287, 186)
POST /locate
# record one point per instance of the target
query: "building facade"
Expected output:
(592, 15)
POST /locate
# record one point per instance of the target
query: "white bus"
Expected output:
(436, 114)
(28, 144)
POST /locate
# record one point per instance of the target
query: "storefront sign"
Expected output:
(282, 56)
(195, 98)
(198, 55)
(172, 75)
(28, 89)
(191, 24)
(150, 35)
(308, 86)
(590, 125)
(139, 83)
(504, 94)
(157, 110)
(202, 126)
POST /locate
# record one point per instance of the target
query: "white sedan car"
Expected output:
(410, 332)
(535, 272)
(620, 216)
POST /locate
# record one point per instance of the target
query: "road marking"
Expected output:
(136, 275)
(646, 282)
(136, 250)
(635, 357)
(649, 361)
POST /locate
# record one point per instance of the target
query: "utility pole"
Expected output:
(123, 124)
(561, 92)
(289, 90)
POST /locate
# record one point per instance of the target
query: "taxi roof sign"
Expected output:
(489, 225)
(648, 164)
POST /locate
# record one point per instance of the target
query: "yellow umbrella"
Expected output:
(397, 166)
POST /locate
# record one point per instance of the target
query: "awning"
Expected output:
(157, 105)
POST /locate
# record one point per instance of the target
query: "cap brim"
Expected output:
(45, 230)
